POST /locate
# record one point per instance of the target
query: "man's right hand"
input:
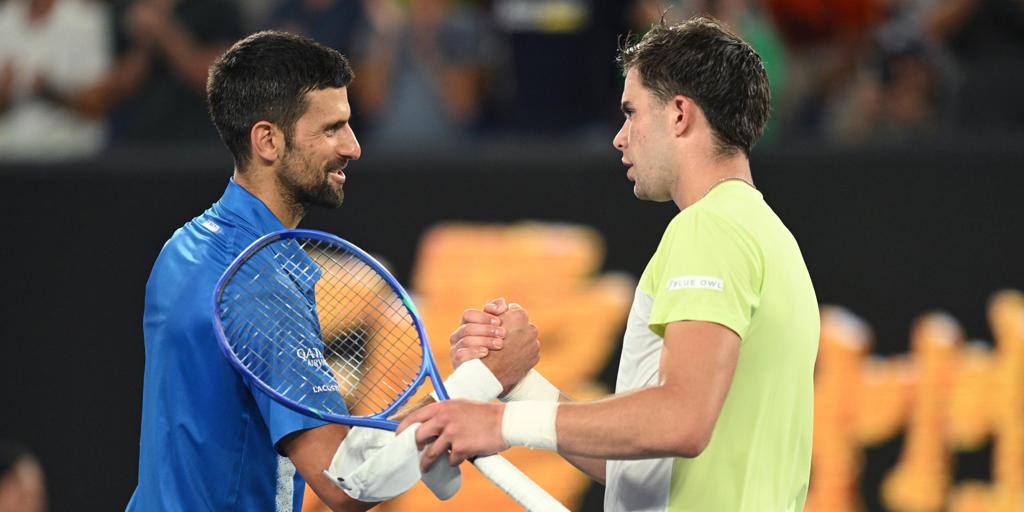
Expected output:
(502, 337)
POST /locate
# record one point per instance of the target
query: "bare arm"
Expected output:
(591, 466)
(190, 59)
(673, 419)
(155, 23)
(97, 101)
(6, 85)
(479, 336)
(461, 86)
(311, 451)
(372, 88)
(948, 16)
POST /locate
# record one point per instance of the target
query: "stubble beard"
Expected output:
(655, 186)
(305, 184)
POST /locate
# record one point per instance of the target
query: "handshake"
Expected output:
(493, 352)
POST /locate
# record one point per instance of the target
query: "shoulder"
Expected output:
(206, 244)
(701, 223)
(709, 235)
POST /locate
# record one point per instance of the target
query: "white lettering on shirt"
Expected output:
(211, 225)
(700, 282)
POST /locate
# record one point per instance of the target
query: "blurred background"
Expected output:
(895, 154)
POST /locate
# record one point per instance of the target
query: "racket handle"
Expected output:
(526, 492)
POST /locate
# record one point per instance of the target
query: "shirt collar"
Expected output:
(253, 212)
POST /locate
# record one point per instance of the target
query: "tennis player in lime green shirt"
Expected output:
(713, 403)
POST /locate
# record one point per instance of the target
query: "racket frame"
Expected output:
(379, 420)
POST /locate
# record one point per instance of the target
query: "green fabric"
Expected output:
(728, 259)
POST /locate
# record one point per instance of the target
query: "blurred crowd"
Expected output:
(78, 77)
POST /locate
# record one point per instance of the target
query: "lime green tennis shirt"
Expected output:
(728, 259)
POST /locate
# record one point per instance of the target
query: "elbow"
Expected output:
(690, 448)
(690, 442)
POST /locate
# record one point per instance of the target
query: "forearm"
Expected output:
(648, 423)
(96, 101)
(190, 59)
(594, 468)
(6, 87)
(334, 498)
(946, 17)
(311, 451)
(374, 73)
(459, 91)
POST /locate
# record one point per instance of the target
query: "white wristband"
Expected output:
(473, 381)
(533, 387)
(531, 424)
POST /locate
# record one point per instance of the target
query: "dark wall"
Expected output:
(888, 234)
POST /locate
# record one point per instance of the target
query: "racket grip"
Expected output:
(516, 484)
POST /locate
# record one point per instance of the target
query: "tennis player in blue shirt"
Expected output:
(210, 441)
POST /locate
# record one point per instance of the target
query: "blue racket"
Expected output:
(323, 328)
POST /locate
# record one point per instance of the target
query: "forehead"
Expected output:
(324, 103)
(634, 91)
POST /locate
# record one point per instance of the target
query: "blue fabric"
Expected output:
(270, 320)
(208, 440)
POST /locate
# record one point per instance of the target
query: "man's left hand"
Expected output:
(461, 427)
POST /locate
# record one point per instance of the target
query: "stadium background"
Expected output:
(905, 203)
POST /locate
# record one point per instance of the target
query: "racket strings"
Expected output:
(390, 342)
(321, 327)
(270, 328)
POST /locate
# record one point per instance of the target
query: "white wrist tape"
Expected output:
(473, 381)
(533, 387)
(531, 424)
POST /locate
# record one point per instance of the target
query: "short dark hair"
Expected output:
(266, 77)
(704, 61)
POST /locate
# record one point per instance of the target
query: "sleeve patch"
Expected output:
(696, 282)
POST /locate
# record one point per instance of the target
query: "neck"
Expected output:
(260, 183)
(696, 180)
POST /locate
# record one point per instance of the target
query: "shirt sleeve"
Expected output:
(273, 328)
(280, 420)
(707, 269)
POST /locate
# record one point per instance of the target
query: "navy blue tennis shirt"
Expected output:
(208, 438)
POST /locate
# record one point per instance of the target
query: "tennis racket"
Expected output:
(323, 328)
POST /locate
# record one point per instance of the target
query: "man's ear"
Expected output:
(267, 141)
(683, 113)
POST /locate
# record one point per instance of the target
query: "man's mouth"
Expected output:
(337, 175)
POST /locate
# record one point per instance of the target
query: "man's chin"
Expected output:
(328, 201)
(643, 195)
(334, 202)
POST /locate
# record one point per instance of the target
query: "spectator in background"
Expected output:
(559, 76)
(22, 487)
(903, 90)
(986, 37)
(329, 22)
(50, 49)
(420, 71)
(173, 43)
(827, 42)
